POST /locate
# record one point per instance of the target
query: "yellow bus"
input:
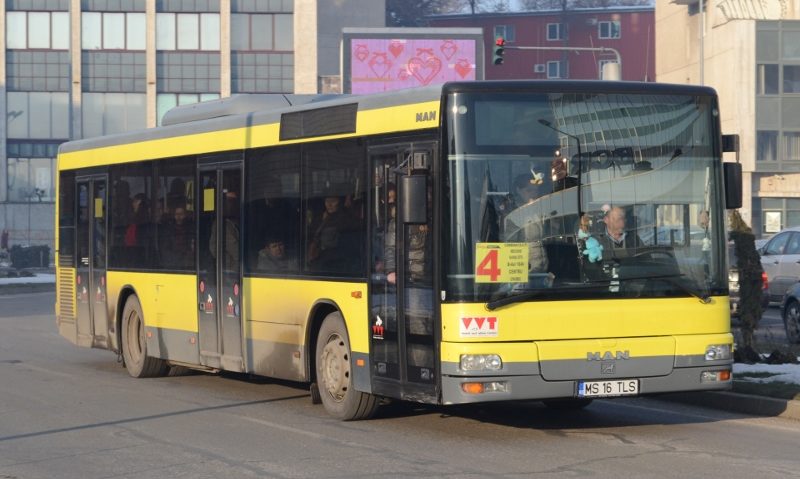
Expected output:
(461, 243)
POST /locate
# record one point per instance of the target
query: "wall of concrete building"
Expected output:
(728, 65)
(318, 33)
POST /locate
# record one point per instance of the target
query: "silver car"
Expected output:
(780, 258)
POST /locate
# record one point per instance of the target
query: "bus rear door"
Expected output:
(92, 311)
(219, 275)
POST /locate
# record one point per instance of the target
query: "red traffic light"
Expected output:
(500, 41)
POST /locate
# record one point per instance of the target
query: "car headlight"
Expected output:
(717, 352)
(481, 362)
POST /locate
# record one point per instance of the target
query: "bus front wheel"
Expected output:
(334, 377)
(134, 345)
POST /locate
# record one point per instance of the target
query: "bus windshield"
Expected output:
(582, 195)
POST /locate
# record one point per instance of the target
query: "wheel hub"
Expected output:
(335, 368)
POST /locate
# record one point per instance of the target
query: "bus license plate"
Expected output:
(621, 387)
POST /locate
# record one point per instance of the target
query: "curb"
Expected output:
(18, 288)
(741, 403)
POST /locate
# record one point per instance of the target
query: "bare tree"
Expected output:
(498, 6)
(414, 13)
(535, 5)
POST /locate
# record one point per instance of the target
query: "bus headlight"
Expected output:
(481, 362)
(716, 352)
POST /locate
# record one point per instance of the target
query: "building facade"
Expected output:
(81, 68)
(749, 51)
(628, 30)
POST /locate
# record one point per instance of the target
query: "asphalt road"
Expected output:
(67, 412)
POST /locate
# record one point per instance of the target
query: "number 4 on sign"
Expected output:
(489, 266)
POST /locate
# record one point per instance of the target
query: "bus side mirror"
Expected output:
(733, 185)
(413, 199)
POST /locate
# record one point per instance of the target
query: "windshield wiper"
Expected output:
(703, 296)
(526, 295)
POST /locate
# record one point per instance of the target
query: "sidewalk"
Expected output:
(45, 280)
(42, 279)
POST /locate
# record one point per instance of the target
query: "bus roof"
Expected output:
(326, 112)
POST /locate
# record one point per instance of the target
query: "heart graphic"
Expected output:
(424, 70)
(448, 48)
(396, 48)
(402, 75)
(362, 52)
(463, 67)
(380, 64)
(425, 53)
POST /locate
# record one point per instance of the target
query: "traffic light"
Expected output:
(499, 50)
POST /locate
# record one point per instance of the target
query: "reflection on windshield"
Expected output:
(645, 224)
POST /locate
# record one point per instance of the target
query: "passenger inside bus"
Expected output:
(176, 245)
(326, 251)
(138, 233)
(524, 224)
(273, 258)
(231, 233)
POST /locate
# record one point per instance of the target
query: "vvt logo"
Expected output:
(479, 326)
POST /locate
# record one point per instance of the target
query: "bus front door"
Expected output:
(92, 311)
(219, 270)
(402, 319)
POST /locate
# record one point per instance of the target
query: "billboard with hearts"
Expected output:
(377, 63)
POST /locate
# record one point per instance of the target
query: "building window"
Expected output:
(609, 30)
(107, 113)
(767, 81)
(187, 31)
(167, 101)
(37, 115)
(37, 30)
(556, 31)
(112, 31)
(791, 145)
(30, 180)
(556, 69)
(255, 32)
(506, 32)
(603, 63)
(779, 213)
(791, 43)
(791, 78)
(767, 145)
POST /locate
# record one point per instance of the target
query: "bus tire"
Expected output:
(334, 378)
(134, 345)
(567, 404)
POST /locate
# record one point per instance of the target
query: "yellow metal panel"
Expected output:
(168, 300)
(592, 319)
(369, 122)
(288, 301)
(518, 352)
(694, 345)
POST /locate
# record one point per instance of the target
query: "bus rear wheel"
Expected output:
(334, 378)
(134, 344)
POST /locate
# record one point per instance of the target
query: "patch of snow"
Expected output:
(39, 278)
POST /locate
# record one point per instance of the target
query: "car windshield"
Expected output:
(577, 195)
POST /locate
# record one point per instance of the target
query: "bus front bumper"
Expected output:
(465, 389)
